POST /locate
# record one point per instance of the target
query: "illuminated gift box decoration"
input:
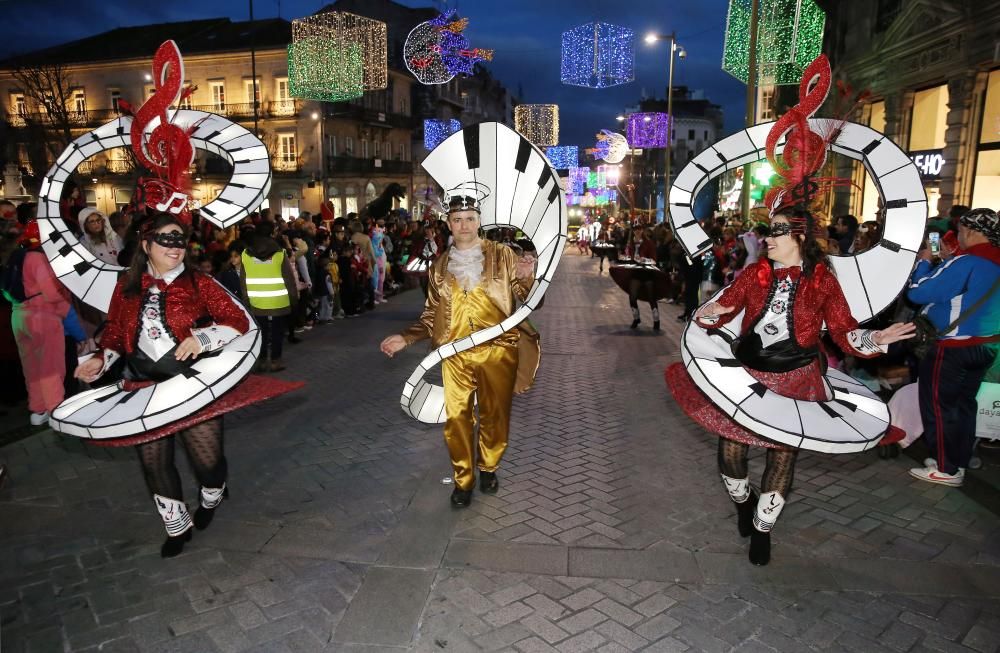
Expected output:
(336, 56)
(598, 55)
(539, 123)
(563, 156)
(436, 131)
(648, 130)
(789, 37)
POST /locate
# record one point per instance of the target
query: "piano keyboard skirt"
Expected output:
(828, 412)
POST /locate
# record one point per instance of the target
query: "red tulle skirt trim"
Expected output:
(253, 389)
(805, 383)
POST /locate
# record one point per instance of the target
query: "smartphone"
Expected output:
(934, 241)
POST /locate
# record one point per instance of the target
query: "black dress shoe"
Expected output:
(682, 318)
(744, 514)
(760, 548)
(203, 516)
(461, 498)
(174, 545)
(656, 325)
(294, 340)
(635, 324)
(488, 483)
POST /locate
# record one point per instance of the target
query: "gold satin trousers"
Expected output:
(483, 374)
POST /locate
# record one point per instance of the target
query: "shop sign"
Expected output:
(929, 163)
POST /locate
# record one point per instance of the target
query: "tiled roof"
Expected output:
(193, 37)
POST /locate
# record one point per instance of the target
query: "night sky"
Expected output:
(525, 34)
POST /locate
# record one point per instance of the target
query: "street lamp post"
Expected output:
(682, 53)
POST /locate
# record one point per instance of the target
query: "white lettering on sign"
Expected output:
(929, 164)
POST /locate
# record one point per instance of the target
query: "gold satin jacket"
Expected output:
(503, 288)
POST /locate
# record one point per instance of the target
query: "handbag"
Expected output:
(927, 334)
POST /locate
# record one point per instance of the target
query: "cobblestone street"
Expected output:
(611, 531)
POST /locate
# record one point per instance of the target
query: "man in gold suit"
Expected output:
(474, 285)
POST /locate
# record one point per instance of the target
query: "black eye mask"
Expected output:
(780, 229)
(171, 239)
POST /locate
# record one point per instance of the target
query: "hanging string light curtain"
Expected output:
(789, 37)
(436, 131)
(563, 156)
(436, 50)
(598, 55)
(336, 56)
(539, 123)
(647, 130)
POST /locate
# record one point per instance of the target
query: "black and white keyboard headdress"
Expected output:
(855, 418)
(515, 186)
(112, 412)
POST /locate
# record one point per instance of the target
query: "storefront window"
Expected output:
(930, 109)
(986, 186)
(869, 203)
(927, 127)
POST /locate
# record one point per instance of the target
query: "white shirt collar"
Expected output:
(170, 276)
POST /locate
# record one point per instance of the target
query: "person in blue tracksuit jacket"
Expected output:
(951, 371)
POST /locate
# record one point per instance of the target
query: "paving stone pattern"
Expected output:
(611, 531)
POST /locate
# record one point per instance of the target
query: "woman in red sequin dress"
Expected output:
(786, 298)
(163, 315)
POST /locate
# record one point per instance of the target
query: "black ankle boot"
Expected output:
(461, 498)
(760, 547)
(174, 545)
(488, 483)
(635, 324)
(656, 325)
(203, 516)
(745, 512)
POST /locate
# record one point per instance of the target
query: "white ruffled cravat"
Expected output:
(467, 266)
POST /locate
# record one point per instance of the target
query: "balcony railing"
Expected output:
(119, 166)
(349, 165)
(284, 108)
(285, 165)
(92, 118)
(372, 117)
(75, 118)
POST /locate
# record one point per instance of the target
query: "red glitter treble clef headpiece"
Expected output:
(166, 150)
(805, 150)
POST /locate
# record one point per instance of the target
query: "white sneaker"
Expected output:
(39, 419)
(933, 475)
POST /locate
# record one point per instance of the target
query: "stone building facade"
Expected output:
(934, 72)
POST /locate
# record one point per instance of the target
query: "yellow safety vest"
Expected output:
(265, 285)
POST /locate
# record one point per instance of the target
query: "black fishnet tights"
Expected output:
(203, 443)
(779, 468)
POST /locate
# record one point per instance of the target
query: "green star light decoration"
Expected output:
(789, 37)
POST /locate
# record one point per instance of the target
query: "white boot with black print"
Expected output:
(211, 497)
(177, 521)
(745, 498)
(768, 508)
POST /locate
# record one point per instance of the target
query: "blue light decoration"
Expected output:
(436, 50)
(647, 130)
(598, 55)
(563, 156)
(435, 131)
(577, 180)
